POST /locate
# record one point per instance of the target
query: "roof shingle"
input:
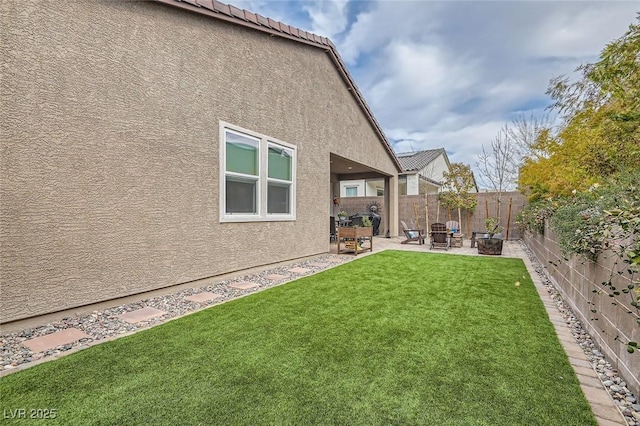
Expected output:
(418, 160)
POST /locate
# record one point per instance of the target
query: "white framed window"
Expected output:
(257, 176)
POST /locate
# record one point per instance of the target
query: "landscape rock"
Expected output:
(105, 324)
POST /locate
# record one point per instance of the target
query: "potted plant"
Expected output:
(343, 215)
(490, 243)
(353, 237)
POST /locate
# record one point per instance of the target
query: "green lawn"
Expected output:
(391, 338)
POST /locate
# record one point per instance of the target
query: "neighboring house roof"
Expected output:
(229, 13)
(431, 181)
(418, 160)
(475, 183)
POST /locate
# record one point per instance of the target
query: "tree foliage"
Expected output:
(500, 166)
(523, 132)
(458, 189)
(496, 164)
(585, 175)
(600, 133)
(602, 221)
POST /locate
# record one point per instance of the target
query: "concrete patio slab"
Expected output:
(243, 285)
(579, 362)
(605, 422)
(567, 339)
(602, 405)
(573, 352)
(588, 380)
(203, 297)
(566, 335)
(299, 271)
(53, 340)
(276, 277)
(140, 315)
(564, 332)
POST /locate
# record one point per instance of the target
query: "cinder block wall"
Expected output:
(576, 279)
(411, 209)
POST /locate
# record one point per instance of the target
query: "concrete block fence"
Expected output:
(576, 278)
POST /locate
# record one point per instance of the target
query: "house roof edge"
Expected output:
(232, 14)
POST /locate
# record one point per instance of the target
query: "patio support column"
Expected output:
(391, 204)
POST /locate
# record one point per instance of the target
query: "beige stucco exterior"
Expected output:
(110, 148)
(434, 171)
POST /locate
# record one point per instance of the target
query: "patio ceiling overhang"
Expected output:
(347, 169)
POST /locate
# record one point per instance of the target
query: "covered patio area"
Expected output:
(343, 169)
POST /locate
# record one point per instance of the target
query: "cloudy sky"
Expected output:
(452, 73)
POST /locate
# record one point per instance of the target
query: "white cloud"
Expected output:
(414, 71)
(581, 33)
(328, 17)
(323, 17)
(452, 74)
(386, 22)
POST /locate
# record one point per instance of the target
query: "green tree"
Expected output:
(458, 189)
(600, 133)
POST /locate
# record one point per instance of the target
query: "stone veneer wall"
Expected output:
(576, 279)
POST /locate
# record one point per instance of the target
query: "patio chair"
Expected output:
(439, 236)
(452, 224)
(412, 234)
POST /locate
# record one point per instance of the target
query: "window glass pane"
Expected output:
(242, 154)
(241, 195)
(279, 163)
(278, 197)
(352, 191)
(373, 187)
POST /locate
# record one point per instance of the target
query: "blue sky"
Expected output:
(452, 73)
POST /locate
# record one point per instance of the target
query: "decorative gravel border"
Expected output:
(105, 325)
(626, 401)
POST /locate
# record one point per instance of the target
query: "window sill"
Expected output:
(240, 219)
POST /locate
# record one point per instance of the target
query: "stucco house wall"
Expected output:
(413, 184)
(359, 184)
(364, 187)
(110, 148)
(423, 172)
(435, 169)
